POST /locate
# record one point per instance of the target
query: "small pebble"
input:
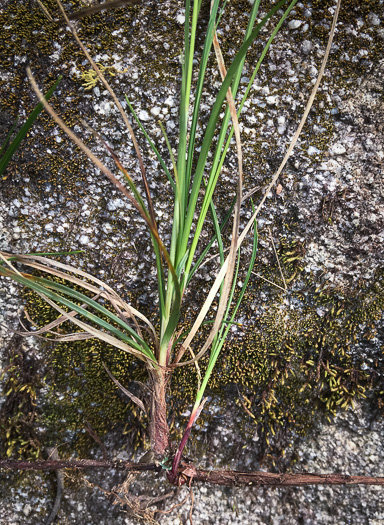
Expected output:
(337, 149)
(373, 19)
(27, 509)
(306, 46)
(295, 24)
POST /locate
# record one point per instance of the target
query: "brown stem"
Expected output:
(158, 428)
(50, 464)
(214, 477)
(230, 477)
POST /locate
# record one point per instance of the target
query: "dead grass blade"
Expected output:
(220, 276)
(9, 264)
(131, 396)
(93, 332)
(98, 334)
(76, 336)
(49, 327)
(270, 282)
(119, 107)
(300, 127)
(111, 177)
(96, 161)
(124, 315)
(43, 264)
(45, 10)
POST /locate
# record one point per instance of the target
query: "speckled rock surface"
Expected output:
(330, 201)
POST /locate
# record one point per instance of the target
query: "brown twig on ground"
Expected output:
(53, 453)
(231, 477)
(96, 438)
(214, 477)
(9, 464)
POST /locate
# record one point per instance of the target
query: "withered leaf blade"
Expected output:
(91, 10)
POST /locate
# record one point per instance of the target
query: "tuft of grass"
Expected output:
(193, 181)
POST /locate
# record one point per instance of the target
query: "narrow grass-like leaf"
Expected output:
(102, 289)
(226, 289)
(87, 151)
(106, 292)
(208, 136)
(45, 10)
(220, 276)
(9, 135)
(103, 336)
(247, 277)
(131, 184)
(210, 129)
(217, 230)
(172, 475)
(169, 322)
(50, 326)
(199, 90)
(219, 342)
(216, 169)
(153, 147)
(46, 283)
(4, 161)
(172, 159)
(43, 287)
(209, 245)
(152, 222)
(236, 222)
(190, 31)
(54, 254)
(157, 244)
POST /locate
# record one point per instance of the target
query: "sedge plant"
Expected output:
(98, 311)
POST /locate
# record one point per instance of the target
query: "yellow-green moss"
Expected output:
(292, 365)
(19, 415)
(82, 399)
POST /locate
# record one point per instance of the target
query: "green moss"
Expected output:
(292, 365)
(82, 402)
(19, 415)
